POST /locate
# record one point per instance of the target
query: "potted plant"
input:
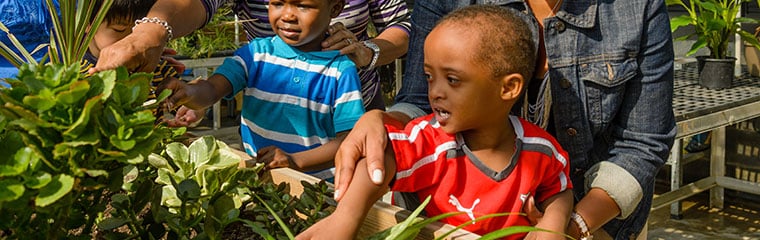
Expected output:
(715, 22)
(752, 56)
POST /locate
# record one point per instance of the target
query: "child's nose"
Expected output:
(435, 90)
(288, 13)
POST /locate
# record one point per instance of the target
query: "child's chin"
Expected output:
(449, 128)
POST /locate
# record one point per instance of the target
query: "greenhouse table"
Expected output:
(699, 110)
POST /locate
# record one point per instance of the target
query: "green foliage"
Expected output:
(70, 139)
(715, 23)
(278, 215)
(217, 35)
(201, 187)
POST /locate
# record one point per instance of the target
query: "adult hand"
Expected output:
(344, 40)
(139, 51)
(367, 139)
(178, 66)
(274, 157)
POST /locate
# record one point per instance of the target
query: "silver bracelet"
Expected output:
(585, 234)
(375, 54)
(163, 23)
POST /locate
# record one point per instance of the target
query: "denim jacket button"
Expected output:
(572, 131)
(560, 26)
(564, 83)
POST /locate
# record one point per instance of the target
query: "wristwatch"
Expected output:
(375, 54)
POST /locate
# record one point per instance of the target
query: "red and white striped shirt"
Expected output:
(432, 162)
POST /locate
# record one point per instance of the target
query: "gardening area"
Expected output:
(84, 156)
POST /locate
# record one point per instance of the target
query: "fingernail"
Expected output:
(377, 176)
(337, 194)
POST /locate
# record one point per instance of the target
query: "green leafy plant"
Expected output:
(217, 35)
(715, 23)
(70, 140)
(202, 188)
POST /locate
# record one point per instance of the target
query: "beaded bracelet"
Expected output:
(585, 234)
(163, 23)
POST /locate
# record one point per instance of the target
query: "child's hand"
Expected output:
(177, 87)
(541, 235)
(531, 210)
(186, 117)
(330, 227)
(274, 157)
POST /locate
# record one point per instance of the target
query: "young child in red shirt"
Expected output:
(470, 155)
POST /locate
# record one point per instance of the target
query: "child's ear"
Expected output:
(337, 7)
(511, 86)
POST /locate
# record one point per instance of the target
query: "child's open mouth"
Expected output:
(441, 114)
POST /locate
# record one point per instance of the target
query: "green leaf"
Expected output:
(112, 223)
(164, 176)
(58, 187)
(177, 152)
(38, 180)
(501, 233)
(96, 173)
(169, 197)
(81, 124)
(10, 189)
(201, 149)
(188, 189)
(158, 161)
(76, 92)
(22, 158)
(122, 144)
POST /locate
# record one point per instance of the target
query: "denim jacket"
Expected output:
(611, 72)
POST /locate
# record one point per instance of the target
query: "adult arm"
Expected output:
(642, 132)
(368, 137)
(391, 20)
(141, 50)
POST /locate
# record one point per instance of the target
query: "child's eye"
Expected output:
(452, 80)
(428, 77)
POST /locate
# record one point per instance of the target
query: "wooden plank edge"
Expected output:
(682, 193)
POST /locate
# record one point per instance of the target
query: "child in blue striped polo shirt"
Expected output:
(299, 101)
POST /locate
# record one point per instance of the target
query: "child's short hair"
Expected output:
(126, 11)
(506, 42)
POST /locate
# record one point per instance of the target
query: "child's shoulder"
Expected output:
(530, 129)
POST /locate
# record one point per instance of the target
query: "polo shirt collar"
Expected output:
(286, 51)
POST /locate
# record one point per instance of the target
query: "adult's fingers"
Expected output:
(339, 37)
(345, 164)
(138, 52)
(367, 139)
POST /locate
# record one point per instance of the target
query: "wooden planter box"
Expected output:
(380, 217)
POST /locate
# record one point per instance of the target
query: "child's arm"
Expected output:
(556, 216)
(197, 94)
(344, 223)
(318, 158)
